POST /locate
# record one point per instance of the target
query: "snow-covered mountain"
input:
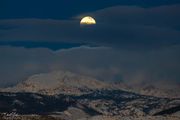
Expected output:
(72, 96)
(158, 92)
(150, 90)
(57, 82)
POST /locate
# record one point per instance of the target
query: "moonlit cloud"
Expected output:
(119, 26)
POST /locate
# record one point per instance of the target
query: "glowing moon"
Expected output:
(88, 21)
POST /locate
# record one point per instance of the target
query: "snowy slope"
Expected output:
(58, 82)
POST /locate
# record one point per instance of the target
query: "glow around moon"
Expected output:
(88, 21)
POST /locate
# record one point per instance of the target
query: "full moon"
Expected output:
(88, 21)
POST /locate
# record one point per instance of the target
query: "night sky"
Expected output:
(134, 41)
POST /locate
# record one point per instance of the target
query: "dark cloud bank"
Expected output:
(134, 44)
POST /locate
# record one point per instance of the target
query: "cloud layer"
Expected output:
(133, 67)
(119, 26)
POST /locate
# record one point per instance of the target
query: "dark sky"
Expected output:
(136, 41)
(65, 9)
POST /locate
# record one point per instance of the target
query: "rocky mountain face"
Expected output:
(98, 103)
(67, 96)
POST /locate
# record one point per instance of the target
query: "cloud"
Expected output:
(161, 16)
(116, 26)
(110, 64)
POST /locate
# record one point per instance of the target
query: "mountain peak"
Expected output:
(58, 82)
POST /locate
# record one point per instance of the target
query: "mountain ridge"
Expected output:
(57, 82)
